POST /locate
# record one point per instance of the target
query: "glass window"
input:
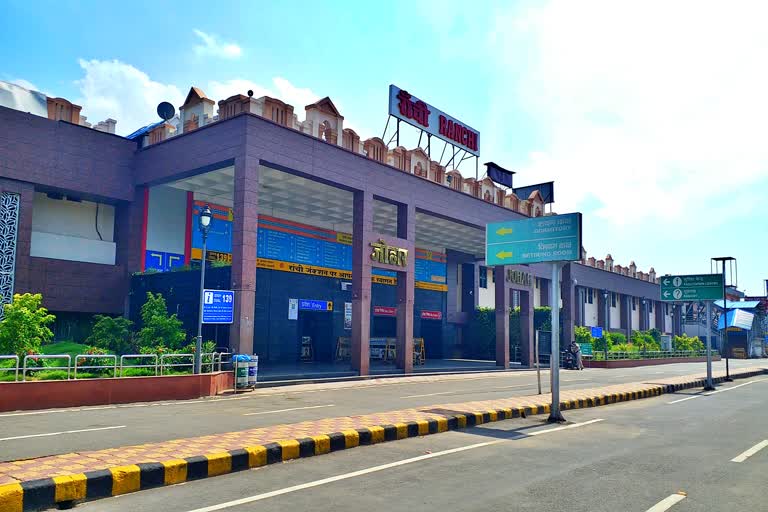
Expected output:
(483, 275)
(634, 303)
(613, 299)
(650, 306)
(589, 296)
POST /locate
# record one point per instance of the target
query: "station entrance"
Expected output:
(316, 344)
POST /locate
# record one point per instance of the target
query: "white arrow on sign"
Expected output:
(665, 282)
(666, 294)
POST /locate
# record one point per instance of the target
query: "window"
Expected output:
(650, 306)
(613, 299)
(536, 283)
(634, 303)
(590, 298)
(483, 283)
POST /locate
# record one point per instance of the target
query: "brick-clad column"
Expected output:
(658, 310)
(129, 224)
(502, 295)
(362, 223)
(526, 326)
(568, 295)
(406, 229)
(246, 215)
(602, 321)
(627, 305)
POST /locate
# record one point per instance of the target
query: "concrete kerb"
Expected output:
(64, 491)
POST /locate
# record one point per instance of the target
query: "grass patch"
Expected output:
(138, 372)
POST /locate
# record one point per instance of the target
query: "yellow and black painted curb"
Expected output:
(67, 490)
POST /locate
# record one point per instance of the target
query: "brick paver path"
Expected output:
(80, 462)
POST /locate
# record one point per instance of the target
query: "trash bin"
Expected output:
(240, 363)
(253, 370)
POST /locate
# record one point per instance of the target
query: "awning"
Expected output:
(743, 304)
(737, 318)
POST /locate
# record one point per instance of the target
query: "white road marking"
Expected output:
(747, 454)
(432, 394)
(517, 386)
(374, 469)
(564, 427)
(60, 433)
(667, 502)
(286, 410)
(717, 391)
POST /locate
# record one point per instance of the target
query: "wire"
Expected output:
(97, 222)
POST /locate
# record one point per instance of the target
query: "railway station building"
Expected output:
(340, 251)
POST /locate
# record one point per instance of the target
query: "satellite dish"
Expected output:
(165, 110)
(250, 93)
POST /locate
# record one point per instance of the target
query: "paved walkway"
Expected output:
(488, 410)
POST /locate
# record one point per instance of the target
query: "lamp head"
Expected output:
(205, 218)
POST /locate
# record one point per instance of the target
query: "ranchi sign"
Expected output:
(420, 114)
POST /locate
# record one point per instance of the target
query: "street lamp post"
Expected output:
(204, 226)
(606, 312)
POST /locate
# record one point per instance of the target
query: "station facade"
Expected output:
(325, 235)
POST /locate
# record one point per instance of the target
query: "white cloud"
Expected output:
(655, 109)
(120, 91)
(212, 46)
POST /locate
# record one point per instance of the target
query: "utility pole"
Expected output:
(723, 259)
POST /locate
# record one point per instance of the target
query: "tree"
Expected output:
(112, 334)
(25, 326)
(158, 328)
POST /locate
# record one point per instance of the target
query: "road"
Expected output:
(38, 433)
(660, 452)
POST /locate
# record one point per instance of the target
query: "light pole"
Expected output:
(606, 312)
(723, 259)
(204, 225)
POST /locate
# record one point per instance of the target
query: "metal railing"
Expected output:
(212, 362)
(650, 354)
(36, 357)
(11, 368)
(164, 365)
(153, 357)
(99, 367)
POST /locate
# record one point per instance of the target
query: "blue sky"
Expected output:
(650, 116)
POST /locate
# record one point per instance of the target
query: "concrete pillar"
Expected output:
(643, 314)
(362, 223)
(245, 213)
(543, 292)
(526, 327)
(626, 313)
(502, 296)
(602, 321)
(658, 310)
(570, 302)
(406, 229)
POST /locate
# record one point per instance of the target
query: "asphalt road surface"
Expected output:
(663, 453)
(29, 434)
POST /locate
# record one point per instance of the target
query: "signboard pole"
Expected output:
(709, 386)
(554, 359)
(536, 355)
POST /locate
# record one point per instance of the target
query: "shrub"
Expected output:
(686, 342)
(159, 328)
(112, 334)
(611, 339)
(480, 334)
(644, 341)
(25, 326)
(583, 335)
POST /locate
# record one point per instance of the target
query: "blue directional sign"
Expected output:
(315, 305)
(596, 332)
(536, 240)
(218, 306)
